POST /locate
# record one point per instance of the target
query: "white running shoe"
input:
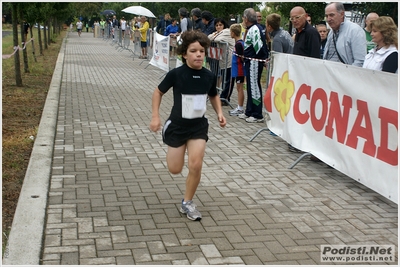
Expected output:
(254, 120)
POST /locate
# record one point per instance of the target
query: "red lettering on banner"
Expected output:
(301, 117)
(387, 117)
(331, 113)
(319, 95)
(268, 96)
(335, 115)
(360, 131)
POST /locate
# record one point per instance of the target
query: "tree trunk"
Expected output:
(40, 40)
(55, 29)
(23, 43)
(48, 31)
(45, 36)
(33, 42)
(18, 78)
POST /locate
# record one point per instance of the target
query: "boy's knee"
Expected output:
(175, 169)
(195, 166)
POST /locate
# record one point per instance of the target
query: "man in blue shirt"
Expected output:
(163, 23)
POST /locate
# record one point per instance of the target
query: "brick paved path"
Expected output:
(112, 200)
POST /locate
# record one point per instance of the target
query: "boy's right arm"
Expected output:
(155, 124)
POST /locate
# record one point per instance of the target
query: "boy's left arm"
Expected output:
(216, 103)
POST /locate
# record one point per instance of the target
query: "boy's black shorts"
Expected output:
(176, 135)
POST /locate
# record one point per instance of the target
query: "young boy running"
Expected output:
(186, 129)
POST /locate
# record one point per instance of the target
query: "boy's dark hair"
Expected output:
(190, 37)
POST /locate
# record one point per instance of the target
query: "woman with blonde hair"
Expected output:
(384, 56)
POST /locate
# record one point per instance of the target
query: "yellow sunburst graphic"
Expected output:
(284, 90)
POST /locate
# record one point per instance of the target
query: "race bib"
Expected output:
(193, 106)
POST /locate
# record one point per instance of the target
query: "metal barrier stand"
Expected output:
(269, 73)
(149, 40)
(136, 43)
(269, 66)
(217, 63)
(127, 39)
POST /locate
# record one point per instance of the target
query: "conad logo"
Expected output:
(283, 90)
(333, 116)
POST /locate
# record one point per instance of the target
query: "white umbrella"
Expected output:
(139, 10)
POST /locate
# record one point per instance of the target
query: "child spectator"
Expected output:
(172, 31)
(238, 72)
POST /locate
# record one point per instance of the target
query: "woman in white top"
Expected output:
(384, 56)
(221, 38)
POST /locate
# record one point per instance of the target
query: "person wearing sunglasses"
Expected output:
(307, 41)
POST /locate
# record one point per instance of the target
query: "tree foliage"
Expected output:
(315, 9)
(87, 9)
(218, 9)
(66, 11)
(390, 9)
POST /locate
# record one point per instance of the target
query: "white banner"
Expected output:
(160, 57)
(346, 116)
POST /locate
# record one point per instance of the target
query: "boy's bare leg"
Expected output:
(196, 149)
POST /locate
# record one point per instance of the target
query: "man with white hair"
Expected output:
(255, 51)
(197, 22)
(346, 41)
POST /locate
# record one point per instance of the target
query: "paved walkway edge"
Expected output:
(26, 237)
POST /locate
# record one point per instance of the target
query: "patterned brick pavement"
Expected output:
(112, 200)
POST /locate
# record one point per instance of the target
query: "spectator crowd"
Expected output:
(334, 39)
(248, 46)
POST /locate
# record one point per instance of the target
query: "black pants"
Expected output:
(254, 95)
(228, 84)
